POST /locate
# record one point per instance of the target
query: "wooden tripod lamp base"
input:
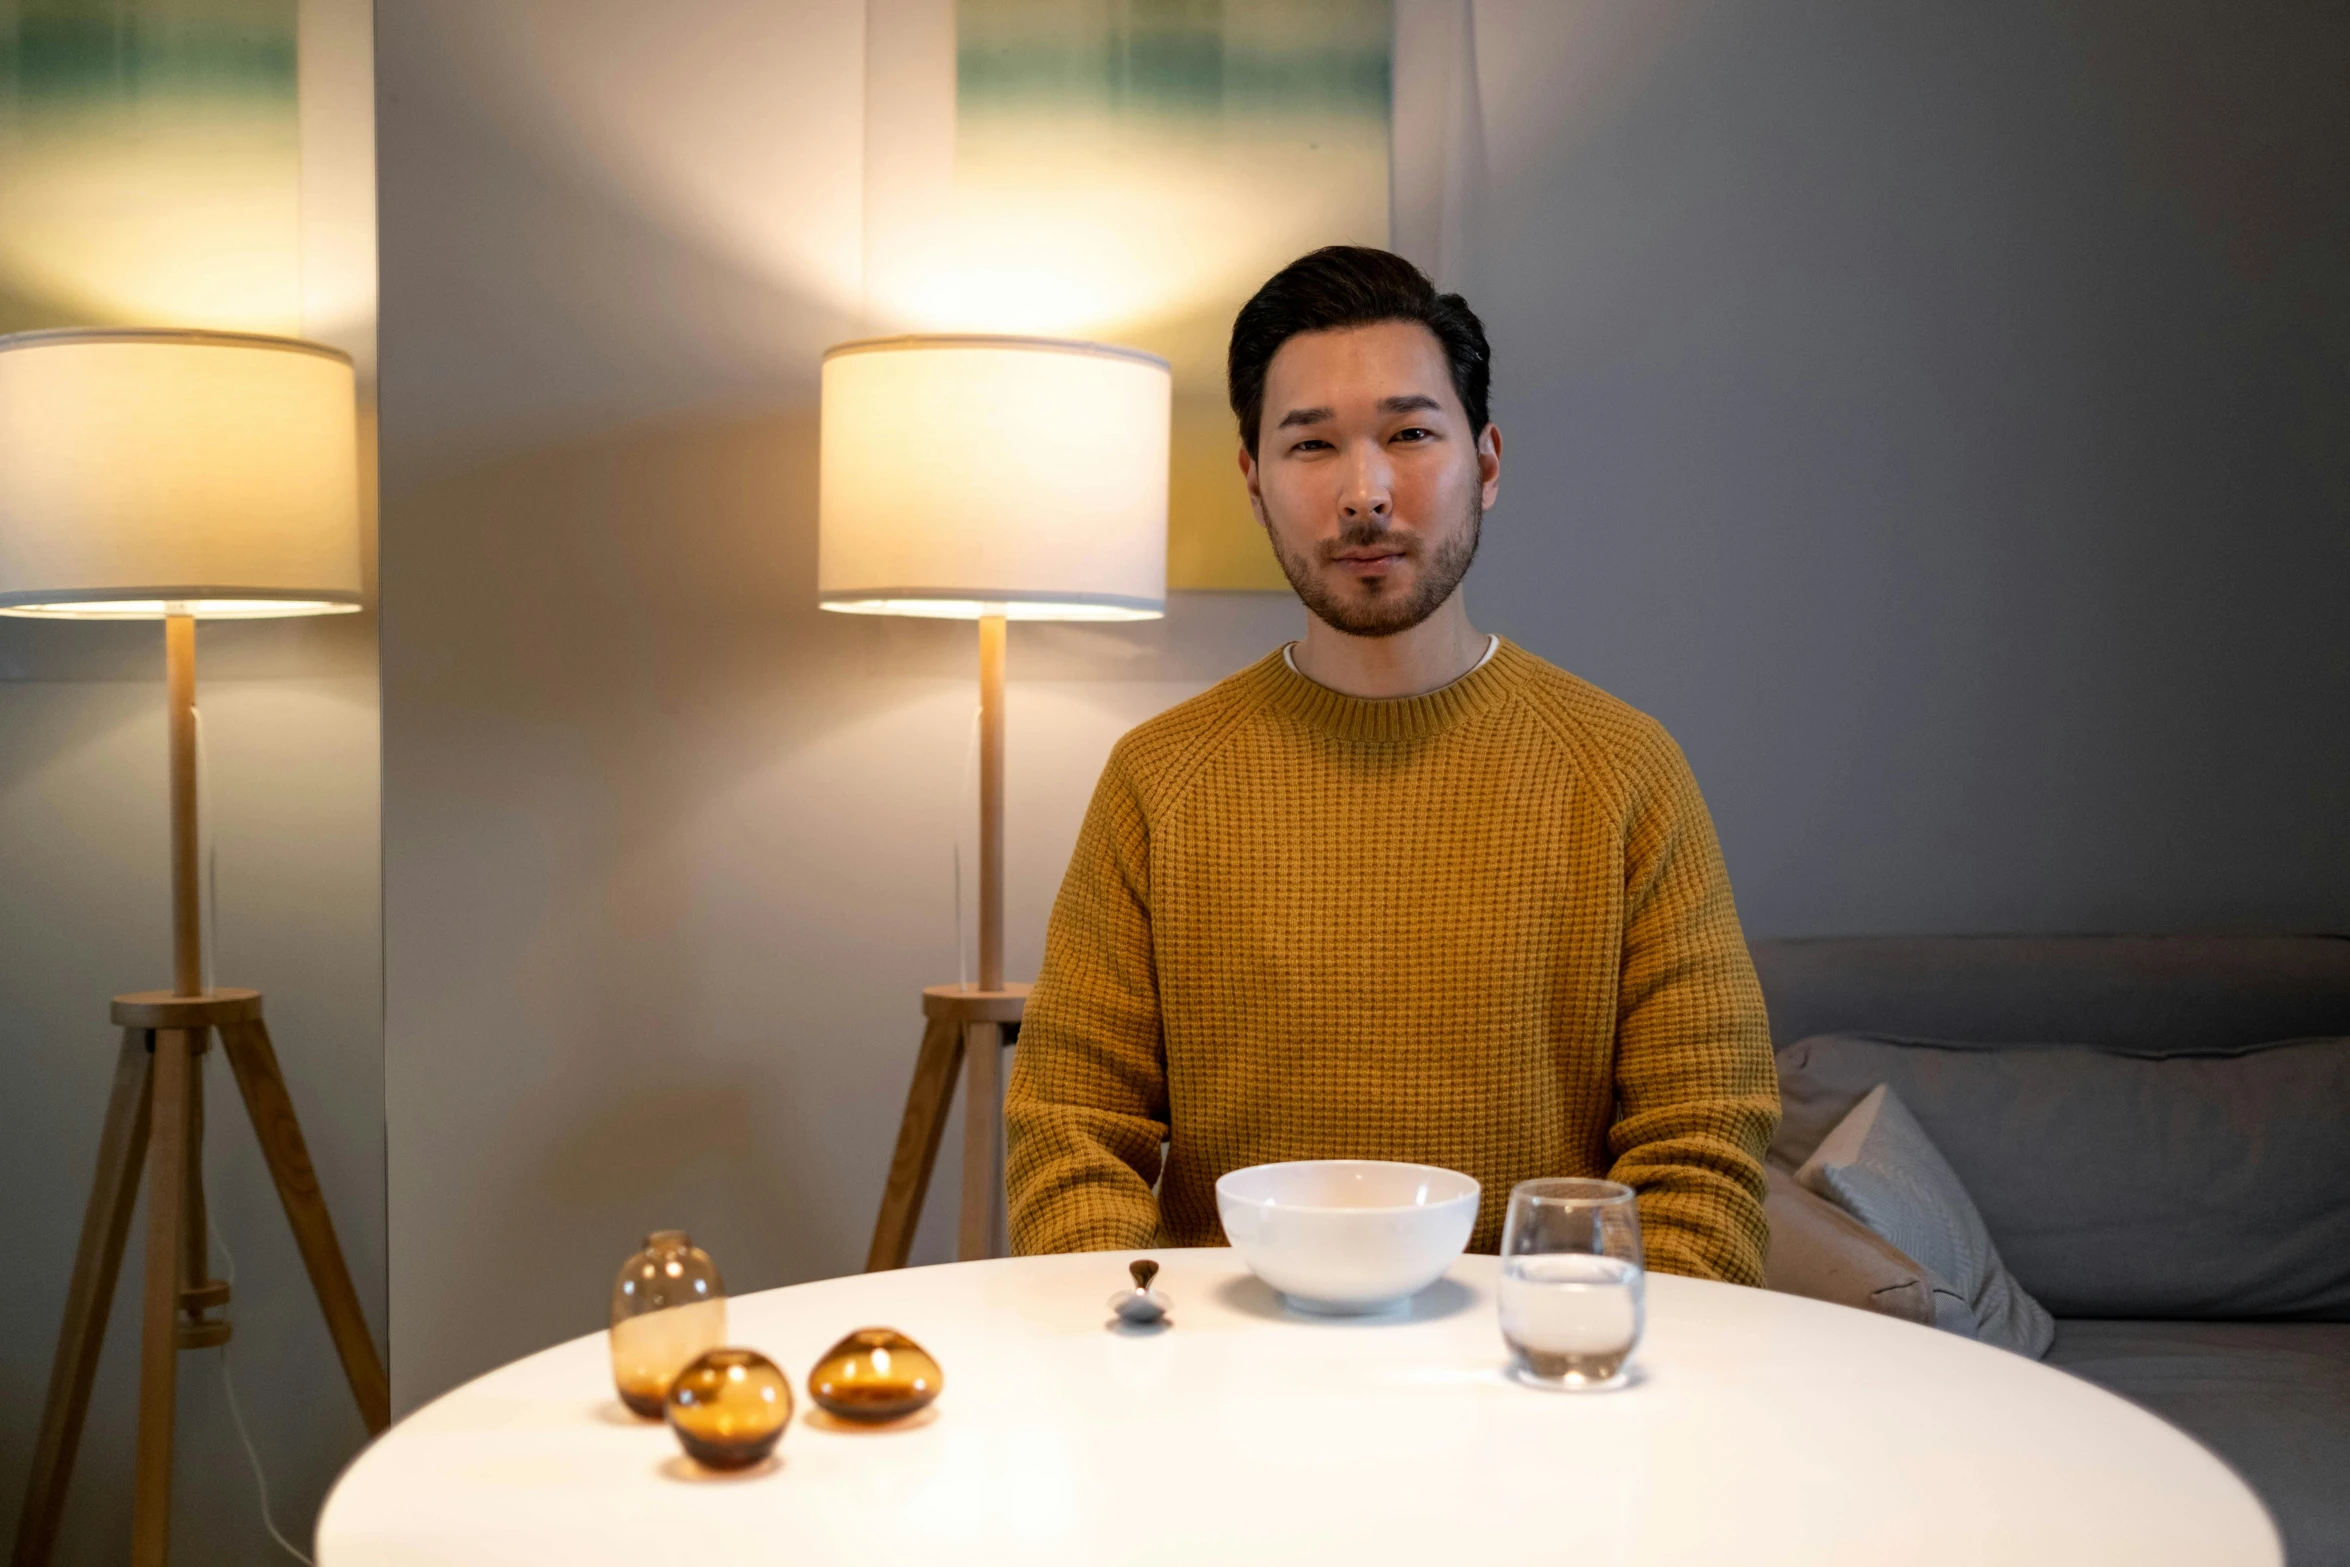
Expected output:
(155, 1122)
(966, 1030)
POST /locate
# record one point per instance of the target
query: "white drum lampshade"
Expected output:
(970, 476)
(153, 473)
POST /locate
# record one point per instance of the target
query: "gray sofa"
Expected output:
(2157, 1132)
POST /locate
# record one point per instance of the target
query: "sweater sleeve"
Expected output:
(1086, 1111)
(1697, 1093)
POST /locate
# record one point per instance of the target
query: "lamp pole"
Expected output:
(983, 1041)
(187, 920)
(178, 1255)
(992, 637)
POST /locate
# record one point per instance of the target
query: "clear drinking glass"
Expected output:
(1573, 1286)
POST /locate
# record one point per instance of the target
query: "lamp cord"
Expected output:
(209, 849)
(228, 1381)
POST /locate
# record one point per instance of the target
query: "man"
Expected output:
(1399, 890)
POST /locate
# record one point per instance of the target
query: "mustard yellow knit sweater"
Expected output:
(1486, 928)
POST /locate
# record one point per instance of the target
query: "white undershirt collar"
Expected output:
(1492, 646)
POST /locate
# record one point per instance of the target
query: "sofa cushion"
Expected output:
(1879, 1166)
(2154, 993)
(2119, 1184)
(2271, 1398)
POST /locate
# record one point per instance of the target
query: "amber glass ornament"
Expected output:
(875, 1374)
(729, 1408)
(668, 1306)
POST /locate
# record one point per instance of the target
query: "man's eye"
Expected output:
(1311, 443)
(1414, 433)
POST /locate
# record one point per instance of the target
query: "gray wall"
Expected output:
(1933, 414)
(1940, 417)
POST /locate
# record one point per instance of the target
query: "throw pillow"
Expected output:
(1879, 1166)
(1819, 1251)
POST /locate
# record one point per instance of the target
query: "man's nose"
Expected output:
(1368, 497)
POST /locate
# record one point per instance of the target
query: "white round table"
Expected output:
(1762, 1428)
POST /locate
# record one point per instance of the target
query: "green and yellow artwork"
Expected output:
(1131, 170)
(150, 164)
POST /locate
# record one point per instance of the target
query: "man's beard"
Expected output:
(1384, 616)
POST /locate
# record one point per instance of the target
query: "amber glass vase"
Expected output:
(668, 1306)
(875, 1374)
(729, 1408)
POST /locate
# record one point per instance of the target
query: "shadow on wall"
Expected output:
(667, 851)
(677, 847)
(598, 650)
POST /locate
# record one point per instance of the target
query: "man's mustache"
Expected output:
(1389, 537)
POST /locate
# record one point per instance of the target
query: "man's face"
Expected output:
(1368, 477)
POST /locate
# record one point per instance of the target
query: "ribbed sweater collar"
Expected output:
(1394, 718)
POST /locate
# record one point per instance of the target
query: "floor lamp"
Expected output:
(163, 475)
(990, 479)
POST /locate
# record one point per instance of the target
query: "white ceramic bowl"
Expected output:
(1347, 1235)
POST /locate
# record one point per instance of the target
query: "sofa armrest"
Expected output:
(1820, 1251)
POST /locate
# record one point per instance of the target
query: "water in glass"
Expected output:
(1573, 1289)
(1571, 1318)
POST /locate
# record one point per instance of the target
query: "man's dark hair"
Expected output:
(1352, 285)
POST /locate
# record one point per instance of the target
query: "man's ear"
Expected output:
(1256, 496)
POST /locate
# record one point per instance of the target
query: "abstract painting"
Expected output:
(1129, 171)
(150, 164)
